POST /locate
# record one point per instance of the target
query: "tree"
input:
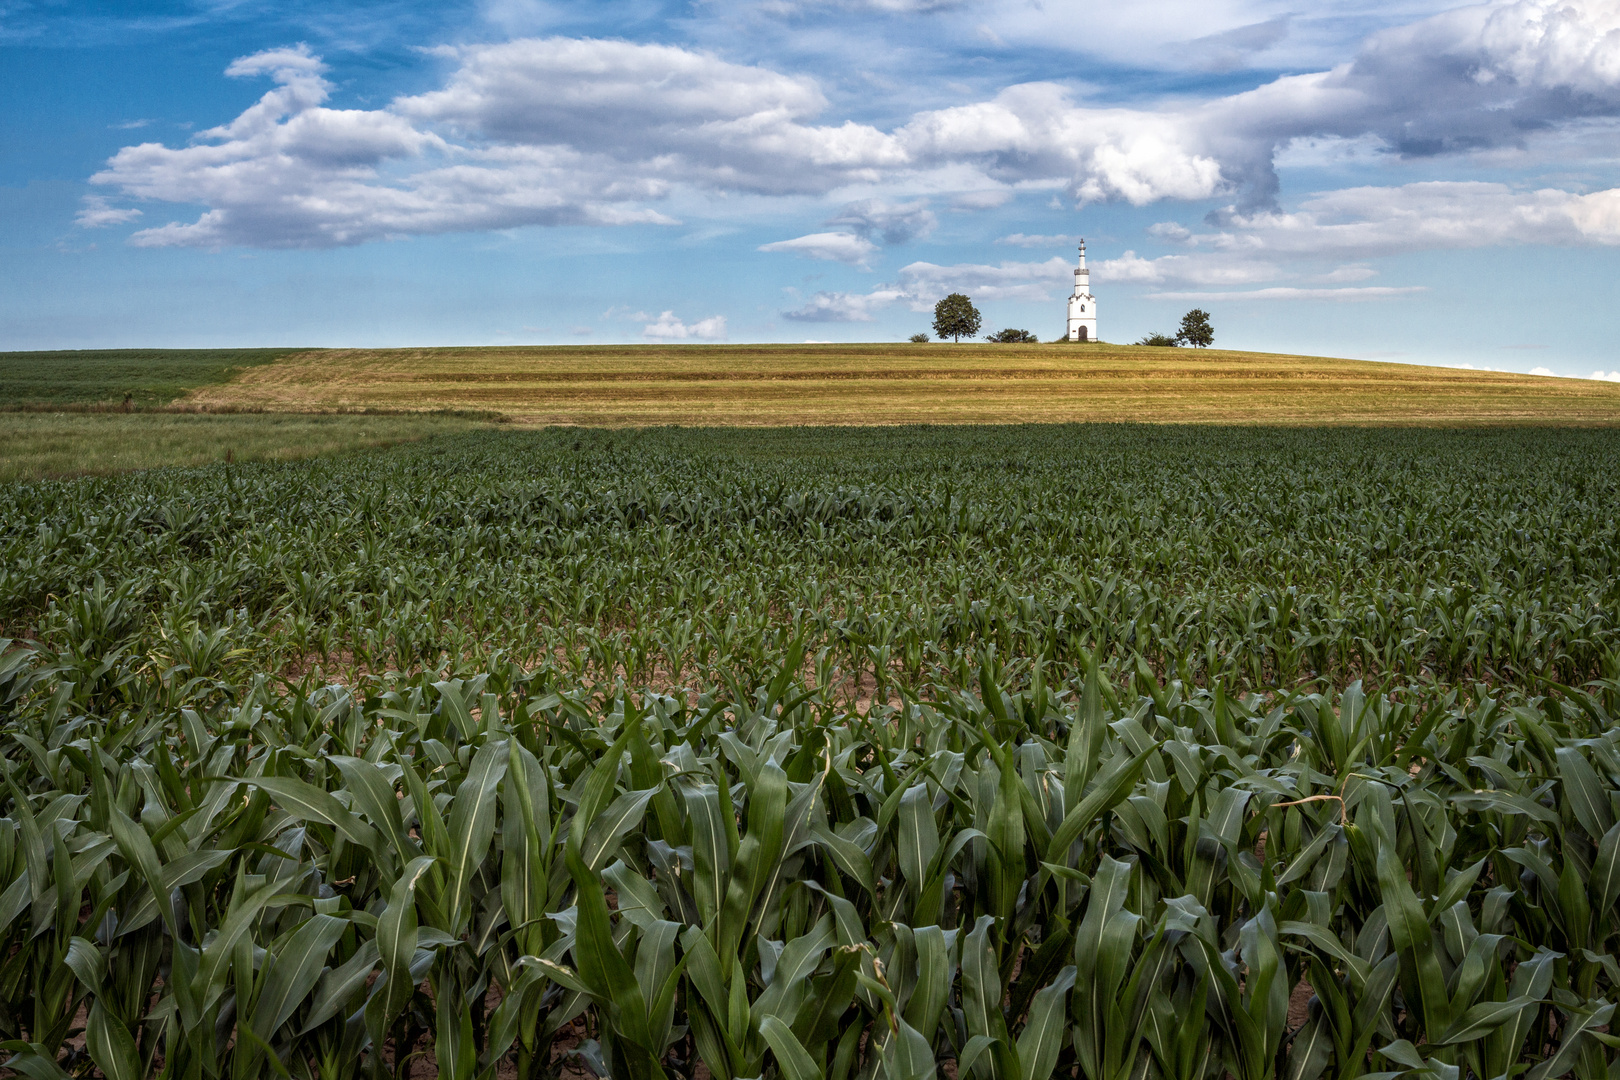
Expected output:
(955, 317)
(919, 339)
(1159, 339)
(1010, 336)
(1195, 329)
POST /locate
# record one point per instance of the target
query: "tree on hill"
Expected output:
(1195, 330)
(1011, 337)
(955, 317)
(1159, 339)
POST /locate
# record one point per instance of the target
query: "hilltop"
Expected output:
(759, 385)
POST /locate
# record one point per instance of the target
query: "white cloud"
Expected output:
(684, 114)
(1197, 269)
(1345, 274)
(668, 327)
(1373, 292)
(1607, 376)
(541, 131)
(1542, 371)
(289, 172)
(833, 246)
(98, 214)
(896, 223)
(1233, 48)
(844, 306)
(924, 283)
(921, 284)
(900, 7)
(1024, 241)
(983, 199)
(1364, 222)
(559, 130)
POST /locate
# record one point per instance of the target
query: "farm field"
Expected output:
(821, 754)
(89, 377)
(44, 444)
(770, 385)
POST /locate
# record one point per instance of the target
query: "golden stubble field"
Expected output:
(631, 385)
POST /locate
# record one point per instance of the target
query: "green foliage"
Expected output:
(143, 377)
(1090, 879)
(918, 339)
(1050, 751)
(1159, 339)
(956, 318)
(1195, 330)
(41, 444)
(1011, 336)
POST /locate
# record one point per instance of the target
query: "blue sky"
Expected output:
(1415, 181)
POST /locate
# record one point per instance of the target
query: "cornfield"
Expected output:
(1115, 754)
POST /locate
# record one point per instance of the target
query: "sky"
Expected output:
(1412, 180)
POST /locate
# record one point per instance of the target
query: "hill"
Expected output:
(81, 377)
(751, 385)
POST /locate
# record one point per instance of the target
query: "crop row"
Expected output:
(1101, 753)
(686, 558)
(1118, 882)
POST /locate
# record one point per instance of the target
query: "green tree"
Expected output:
(919, 339)
(1158, 339)
(955, 317)
(1195, 329)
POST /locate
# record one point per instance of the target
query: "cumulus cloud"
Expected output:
(833, 246)
(539, 131)
(289, 172)
(895, 223)
(1233, 48)
(828, 307)
(898, 7)
(690, 115)
(554, 130)
(1607, 376)
(921, 284)
(1359, 223)
(1478, 77)
(670, 328)
(858, 224)
(97, 213)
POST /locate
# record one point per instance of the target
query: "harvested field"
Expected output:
(769, 385)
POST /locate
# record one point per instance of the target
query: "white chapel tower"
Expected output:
(1082, 305)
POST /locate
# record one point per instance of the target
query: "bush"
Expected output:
(1159, 339)
(1011, 337)
(918, 339)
